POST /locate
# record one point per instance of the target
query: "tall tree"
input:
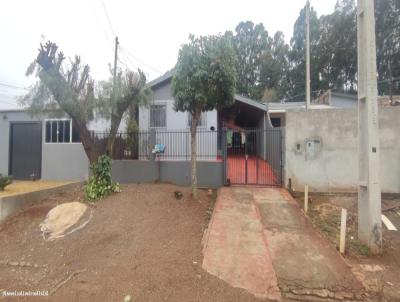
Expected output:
(274, 69)
(250, 42)
(387, 20)
(204, 80)
(297, 54)
(69, 90)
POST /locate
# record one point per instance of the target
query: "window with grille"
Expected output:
(201, 122)
(158, 116)
(61, 131)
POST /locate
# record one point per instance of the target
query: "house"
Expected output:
(327, 100)
(235, 145)
(240, 135)
(40, 147)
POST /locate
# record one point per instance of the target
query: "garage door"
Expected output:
(25, 150)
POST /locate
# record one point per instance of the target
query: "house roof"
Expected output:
(239, 98)
(13, 110)
(164, 78)
(250, 102)
(350, 96)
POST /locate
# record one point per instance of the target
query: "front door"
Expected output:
(25, 150)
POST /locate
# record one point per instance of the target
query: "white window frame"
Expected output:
(202, 116)
(70, 131)
(162, 103)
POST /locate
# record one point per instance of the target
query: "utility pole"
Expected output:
(369, 190)
(115, 64)
(390, 77)
(308, 81)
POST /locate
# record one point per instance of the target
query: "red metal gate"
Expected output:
(253, 157)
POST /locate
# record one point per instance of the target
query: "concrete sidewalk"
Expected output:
(259, 238)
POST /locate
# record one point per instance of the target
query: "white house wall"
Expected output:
(171, 136)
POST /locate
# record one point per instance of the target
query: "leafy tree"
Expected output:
(68, 89)
(297, 54)
(387, 20)
(274, 69)
(250, 43)
(204, 80)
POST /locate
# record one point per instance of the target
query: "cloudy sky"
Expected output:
(150, 32)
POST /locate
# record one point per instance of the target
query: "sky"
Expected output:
(150, 31)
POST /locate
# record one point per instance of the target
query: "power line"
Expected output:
(12, 86)
(101, 25)
(139, 60)
(108, 17)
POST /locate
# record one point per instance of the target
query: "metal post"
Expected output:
(308, 81)
(369, 191)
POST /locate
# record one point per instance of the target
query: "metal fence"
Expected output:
(139, 145)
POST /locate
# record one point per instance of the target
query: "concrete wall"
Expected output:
(64, 162)
(59, 161)
(209, 174)
(342, 102)
(321, 149)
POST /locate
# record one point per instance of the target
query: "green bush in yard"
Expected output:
(100, 183)
(4, 182)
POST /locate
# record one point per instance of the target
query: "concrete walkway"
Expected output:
(234, 248)
(259, 237)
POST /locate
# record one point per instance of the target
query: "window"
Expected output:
(201, 122)
(59, 131)
(158, 116)
(276, 122)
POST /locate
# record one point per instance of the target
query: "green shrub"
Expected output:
(4, 181)
(100, 183)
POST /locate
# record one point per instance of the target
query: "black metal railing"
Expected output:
(139, 145)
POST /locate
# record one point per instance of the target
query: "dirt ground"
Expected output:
(380, 274)
(141, 242)
(21, 186)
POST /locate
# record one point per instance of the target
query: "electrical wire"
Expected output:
(101, 25)
(13, 86)
(127, 52)
(108, 17)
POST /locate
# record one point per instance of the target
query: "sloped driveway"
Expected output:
(258, 238)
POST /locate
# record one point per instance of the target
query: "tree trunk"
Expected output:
(89, 144)
(115, 121)
(193, 155)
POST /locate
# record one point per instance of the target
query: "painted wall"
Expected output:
(179, 143)
(175, 120)
(342, 102)
(6, 117)
(64, 162)
(59, 161)
(209, 174)
(321, 149)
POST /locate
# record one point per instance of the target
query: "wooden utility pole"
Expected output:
(369, 190)
(308, 81)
